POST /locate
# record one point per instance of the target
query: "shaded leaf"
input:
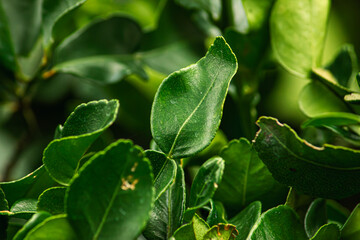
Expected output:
(194, 97)
(7, 56)
(168, 210)
(81, 129)
(112, 195)
(195, 230)
(217, 213)
(351, 228)
(332, 118)
(58, 227)
(329, 231)
(328, 171)
(52, 200)
(3, 202)
(336, 213)
(298, 30)
(213, 7)
(36, 219)
(315, 217)
(245, 220)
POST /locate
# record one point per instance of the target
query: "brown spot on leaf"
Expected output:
(128, 183)
(134, 167)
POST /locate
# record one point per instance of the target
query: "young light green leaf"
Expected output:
(187, 108)
(112, 196)
(351, 228)
(315, 217)
(58, 227)
(52, 200)
(36, 219)
(332, 118)
(217, 213)
(298, 30)
(25, 27)
(245, 220)
(204, 185)
(164, 170)
(328, 171)
(81, 129)
(246, 178)
(353, 98)
(257, 12)
(167, 214)
(195, 230)
(329, 231)
(101, 51)
(280, 222)
(30, 186)
(52, 11)
(221, 232)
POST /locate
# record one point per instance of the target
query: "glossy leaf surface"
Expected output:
(329, 231)
(217, 213)
(167, 214)
(351, 228)
(101, 51)
(297, 33)
(245, 220)
(36, 219)
(333, 118)
(195, 230)
(112, 195)
(328, 171)
(246, 178)
(58, 227)
(81, 129)
(187, 108)
(315, 217)
(52, 200)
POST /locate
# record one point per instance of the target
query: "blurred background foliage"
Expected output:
(172, 34)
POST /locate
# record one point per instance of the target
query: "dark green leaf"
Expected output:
(52, 200)
(203, 21)
(281, 223)
(58, 227)
(329, 231)
(52, 11)
(81, 129)
(101, 51)
(187, 109)
(168, 210)
(336, 213)
(204, 185)
(315, 217)
(351, 228)
(112, 196)
(217, 213)
(195, 230)
(30, 186)
(23, 208)
(297, 33)
(246, 178)
(211, 6)
(332, 118)
(245, 220)
(328, 171)
(221, 232)
(344, 66)
(237, 16)
(25, 27)
(32, 223)
(164, 170)
(3, 202)
(7, 56)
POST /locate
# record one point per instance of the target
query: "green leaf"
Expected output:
(217, 213)
(328, 171)
(315, 217)
(298, 30)
(281, 223)
(204, 185)
(351, 228)
(32, 223)
(245, 220)
(315, 99)
(195, 230)
(25, 27)
(58, 227)
(187, 108)
(52, 11)
(245, 178)
(3, 202)
(237, 16)
(213, 7)
(52, 200)
(23, 208)
(81, 129)
(101, 51)
(257, 12)
(332, 118)
(168, 210)
(112, 196)
(329, 231)
(30, 186)
(7, 56)
(336, 213)
(221, 232)
(164, 170)
(344, 66)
